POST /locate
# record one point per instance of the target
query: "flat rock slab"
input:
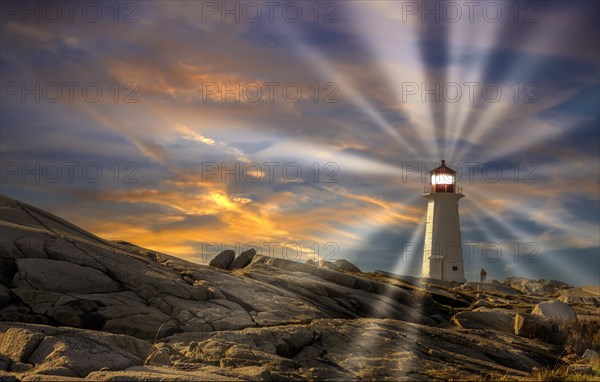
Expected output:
(62, 276)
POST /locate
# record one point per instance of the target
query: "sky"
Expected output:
(307, 129)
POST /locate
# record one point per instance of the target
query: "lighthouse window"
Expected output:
(442, 179)
(455, 268)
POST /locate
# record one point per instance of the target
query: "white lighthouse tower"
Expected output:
(442, 250)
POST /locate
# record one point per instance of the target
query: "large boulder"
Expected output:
(243, 259)
(487, 319)
(346, 266)
(62, 276)
(555, 309)
(339, 265)
(532, 326)
(223, 259)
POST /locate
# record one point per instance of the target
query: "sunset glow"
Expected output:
(312, 135)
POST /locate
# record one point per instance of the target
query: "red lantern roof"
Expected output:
(443, 169)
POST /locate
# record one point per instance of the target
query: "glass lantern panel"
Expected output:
(442, 179)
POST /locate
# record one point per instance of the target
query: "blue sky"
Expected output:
(388, 90)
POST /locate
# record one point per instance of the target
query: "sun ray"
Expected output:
(488, 252)
(577, 234)
(467, 58)
(411, 248)
(520, 258)
(401, 66)
(381, 306)
(319, 62)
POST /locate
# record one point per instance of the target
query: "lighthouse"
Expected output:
(442, 250)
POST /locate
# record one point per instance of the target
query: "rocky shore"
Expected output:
(74, 306)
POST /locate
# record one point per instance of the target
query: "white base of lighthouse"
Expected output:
(442, 250)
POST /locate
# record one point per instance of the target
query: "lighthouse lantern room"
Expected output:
(442, 249)
(443, 179)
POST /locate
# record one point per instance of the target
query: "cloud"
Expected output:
(369, 132)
